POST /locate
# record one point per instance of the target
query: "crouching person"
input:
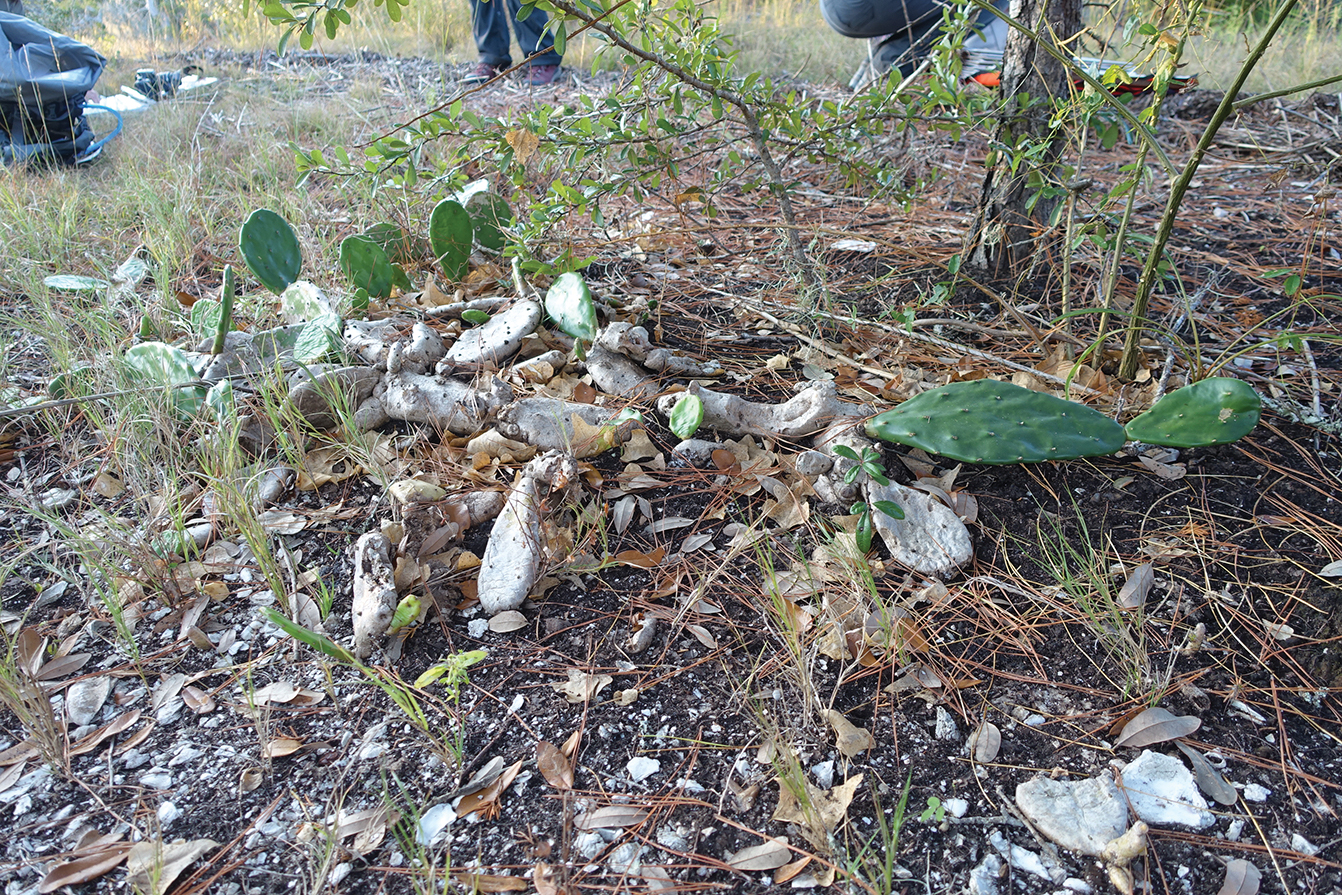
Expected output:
(900, 32)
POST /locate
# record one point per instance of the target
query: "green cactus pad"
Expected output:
(569, 304)
(450, 233)
(992, 422)
(270, 248)
(367, 267)
(397, 243)
(1213, 411)
(490, 214)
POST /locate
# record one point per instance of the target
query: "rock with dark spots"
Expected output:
(930, 539)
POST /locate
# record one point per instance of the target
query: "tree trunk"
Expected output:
(1005, 233)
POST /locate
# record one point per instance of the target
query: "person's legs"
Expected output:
(531, 35)
(489, 26)
(879, 18)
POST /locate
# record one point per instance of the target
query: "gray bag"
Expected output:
(43, 79)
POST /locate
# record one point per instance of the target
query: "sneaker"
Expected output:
(540, 75)
(484, 71)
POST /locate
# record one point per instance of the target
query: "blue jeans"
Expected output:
(489, 24)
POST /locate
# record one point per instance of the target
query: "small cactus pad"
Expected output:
(569, 304)
(270, 248)
(1213, 411)
(450, 232)
(992, 422)
(367, 267)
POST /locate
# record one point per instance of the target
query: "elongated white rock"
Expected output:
(374, 592)
(487, 347)
(810, 410)
(512, 561)
(930, 539)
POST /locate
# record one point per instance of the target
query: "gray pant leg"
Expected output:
(876, 18)
(530, 36)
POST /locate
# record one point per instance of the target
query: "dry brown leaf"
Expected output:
(611, 817)
(507, 621)
(1168, 472)
(197, 700)
(11, 775)
(85, 867)
(1242, 878)
(524, 144)
(62, 666)
(486, 801)
(985, 742)
(581, 686)
(544, 880)
(249, 780)
(589, 440)
(1134, 591)
(488, 882)
(701, 634)
(102, 734)
(640, 560)
(771, 855)
(570, 747)
(108, 485)
(554, 766)
(787, 872)
(851, 740)
(626, 697)
(638, 447)
(1209, 781)
(281, 747)
(155, 866)
(824, 811)
(1156, 725)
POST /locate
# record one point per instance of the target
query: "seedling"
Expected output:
(864, 523)
(869, 461)
(935, 811)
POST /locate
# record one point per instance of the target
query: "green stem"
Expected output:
(225, 312)
(1127, 367)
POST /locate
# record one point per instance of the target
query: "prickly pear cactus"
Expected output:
(270, 248)
(1213, 411)
(992, 422)
(367, 267)
(490, 214)
(450, 233)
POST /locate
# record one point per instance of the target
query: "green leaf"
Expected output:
(450, 234)
(302, 301)
(474, 315)
(687, 415)
(890, 508)
(205, 316)
(569, 304)
(846, 452)
(317, 641)
(70, 384)
(1214, 411)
